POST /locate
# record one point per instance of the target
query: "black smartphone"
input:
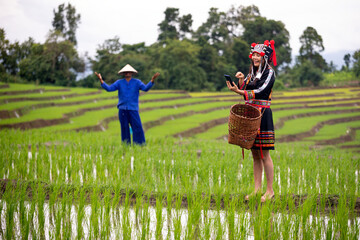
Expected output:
(228, 78)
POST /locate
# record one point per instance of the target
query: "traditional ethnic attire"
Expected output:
(258, 94)
(128, 105)
(258, 88)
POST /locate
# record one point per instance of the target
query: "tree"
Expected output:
(185, 23)
(331, 67)
(112, 56)
(347, 60)
(214, 30)
(214, 66)
(12, 53)
(168, 25)
(68, 27)
(311, 46)
(59, 21)
(54, 62)
(174, 26)
(179, 60)
(306, 74)
(238, 54)
(356, 63)
(237, 17)
(259, 29)
(134, 48)
(112, 45)
(107, 59)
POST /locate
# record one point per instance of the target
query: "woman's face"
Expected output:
(256, 58)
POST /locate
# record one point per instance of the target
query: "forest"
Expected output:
(187, 59)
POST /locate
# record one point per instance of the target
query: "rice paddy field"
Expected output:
(64, 173)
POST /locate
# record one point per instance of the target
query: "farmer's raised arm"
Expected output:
(108, 88)
(150, 84)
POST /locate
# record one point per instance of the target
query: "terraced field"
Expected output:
(319, 117)
(65, 175)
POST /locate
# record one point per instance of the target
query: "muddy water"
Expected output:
(213, 218)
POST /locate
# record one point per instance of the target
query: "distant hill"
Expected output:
(337, 57)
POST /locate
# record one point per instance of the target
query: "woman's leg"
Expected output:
(258, 169)
(269, 172)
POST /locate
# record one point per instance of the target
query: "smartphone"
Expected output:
(228, 78)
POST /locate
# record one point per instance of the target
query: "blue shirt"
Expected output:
(128, 92)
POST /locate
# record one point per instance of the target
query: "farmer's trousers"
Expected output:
(131, 117)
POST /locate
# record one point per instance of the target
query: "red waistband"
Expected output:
(258, 103)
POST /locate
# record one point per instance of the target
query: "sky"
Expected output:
(134, 21)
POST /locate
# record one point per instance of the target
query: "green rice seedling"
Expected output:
(80, 212)
(105, 215)
(268, 221)
(177, 217)
(126, 225)
(206, 217)
(95, 213)
(159, 217)
(342, 218)
(145, 218)
(138, 208)
(66, 214)
(40, 200)
(10, 208)
(194, 213)
(169, 207)
(58, 216)
(115, 204)
(218, 226)
(329, 234)
(24, 220)
(305, 212)
(244, 225)
(230, 205)
(52, 207)
(189, 231)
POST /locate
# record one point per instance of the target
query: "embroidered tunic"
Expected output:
(258, 94)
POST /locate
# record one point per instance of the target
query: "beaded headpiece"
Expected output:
(266, 50)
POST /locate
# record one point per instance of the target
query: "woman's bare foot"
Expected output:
(267, 196)
(251, 195)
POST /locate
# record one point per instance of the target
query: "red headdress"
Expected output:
(266, 50)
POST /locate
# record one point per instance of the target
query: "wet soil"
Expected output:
(325, 204)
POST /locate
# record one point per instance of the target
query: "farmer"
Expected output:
(128, 92)
(256, 89)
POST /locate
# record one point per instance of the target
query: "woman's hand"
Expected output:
(232, 86)
(99, 76)
(154, 77)
(240, 76)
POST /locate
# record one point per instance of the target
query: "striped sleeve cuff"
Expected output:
(249, 95)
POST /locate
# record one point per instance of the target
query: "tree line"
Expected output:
(188, 59)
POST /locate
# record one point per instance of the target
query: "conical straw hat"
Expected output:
(127, 68)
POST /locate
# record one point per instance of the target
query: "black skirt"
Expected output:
(266, 136)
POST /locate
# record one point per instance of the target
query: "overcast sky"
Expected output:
(134, 21)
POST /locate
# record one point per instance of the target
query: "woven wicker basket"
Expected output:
(244, 123)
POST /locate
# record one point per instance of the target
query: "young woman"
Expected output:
(256, 89)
